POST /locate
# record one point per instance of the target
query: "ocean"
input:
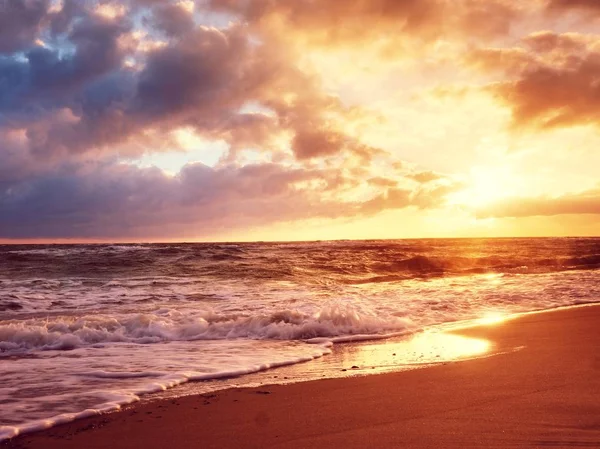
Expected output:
(89, 328)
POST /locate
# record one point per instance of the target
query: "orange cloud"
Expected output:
(592, 5)
(425, 177)
(554, 79)
(388, 23)
(587, 202)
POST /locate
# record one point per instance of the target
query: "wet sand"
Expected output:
(541, 390)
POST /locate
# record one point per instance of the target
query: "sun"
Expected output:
(487, 185)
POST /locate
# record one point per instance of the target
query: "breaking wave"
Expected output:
(66, 333)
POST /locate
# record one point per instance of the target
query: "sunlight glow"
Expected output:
(492, 318)
(422, 348)
(486, 185)
(110, 11)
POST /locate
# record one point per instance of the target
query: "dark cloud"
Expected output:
(173, 20)
(110, 200)
(206, 71)
(44, 79)
(20, 23)
(583, 203)
(16, 164)
(310, 143)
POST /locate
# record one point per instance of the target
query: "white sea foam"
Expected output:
(128, 355)
(165, 325)
(126, 373)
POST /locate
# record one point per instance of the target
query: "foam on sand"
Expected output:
(109, 389)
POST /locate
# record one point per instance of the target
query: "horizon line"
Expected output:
(16, 242)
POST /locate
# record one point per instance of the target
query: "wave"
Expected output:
(166, 325)
(345, 262)
(10, 305)
(426, 266)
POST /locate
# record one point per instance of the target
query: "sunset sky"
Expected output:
(150, 120)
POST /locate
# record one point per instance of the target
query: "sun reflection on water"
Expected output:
(492, 318)
(423, 348)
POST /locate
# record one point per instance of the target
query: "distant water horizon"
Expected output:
(92, 241)
(101, 324)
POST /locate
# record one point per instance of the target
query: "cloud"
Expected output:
(320, 22)
(115, 200)
(20, 23)
(175, 20)
(334, 23)
(554, 79)
(120, 85)
(393, 198)
(43, 76)
(432, 195)
(425, 177)
(561, 5)
(587, 202)
(383, 182)
(86, 87)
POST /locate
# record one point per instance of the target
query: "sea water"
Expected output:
(88, 328)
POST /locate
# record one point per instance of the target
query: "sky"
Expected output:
(244, 120)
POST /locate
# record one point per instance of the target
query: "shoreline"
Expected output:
(547, 392)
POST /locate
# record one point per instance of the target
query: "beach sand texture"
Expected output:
(542, 390)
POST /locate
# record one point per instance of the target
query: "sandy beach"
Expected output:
(540, 389)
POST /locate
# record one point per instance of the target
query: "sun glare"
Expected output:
(487, 185)
(492, 318)
(422, 348)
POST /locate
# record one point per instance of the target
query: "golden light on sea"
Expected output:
(492, 318)
(421, 349)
